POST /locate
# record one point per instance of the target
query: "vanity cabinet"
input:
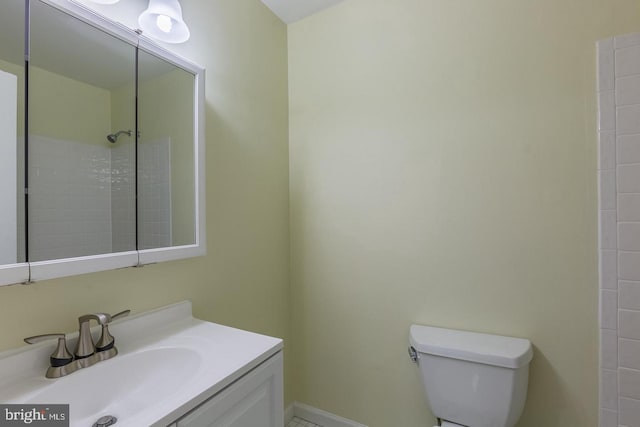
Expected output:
(254, 400)
(172, 370)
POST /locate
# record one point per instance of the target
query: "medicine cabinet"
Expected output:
(101, 145)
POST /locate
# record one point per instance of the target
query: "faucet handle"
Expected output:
(120, 315)
(107, 341)
(39, 338)
(61, 356)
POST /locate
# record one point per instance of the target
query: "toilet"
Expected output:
(472, 379)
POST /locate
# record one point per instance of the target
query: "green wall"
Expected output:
(165, 106)
(443, 172)
(68, 109)
(243, 281)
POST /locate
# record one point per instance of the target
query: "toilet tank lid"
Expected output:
(488, 349)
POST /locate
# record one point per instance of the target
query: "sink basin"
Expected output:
(168, 363)
(122, 384)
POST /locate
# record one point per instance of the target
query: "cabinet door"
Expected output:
(255, 400)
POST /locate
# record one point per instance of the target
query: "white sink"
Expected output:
(125, 383)
(168, 363)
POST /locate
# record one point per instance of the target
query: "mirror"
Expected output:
(12, 102)
(113, 154)
(166, 187)
(81, 146)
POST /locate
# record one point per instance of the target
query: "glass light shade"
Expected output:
(105, 1)
(163, 21)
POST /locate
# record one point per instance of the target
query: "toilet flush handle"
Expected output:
(413, 354)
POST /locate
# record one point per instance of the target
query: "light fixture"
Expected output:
(163, 21)
(105, 1)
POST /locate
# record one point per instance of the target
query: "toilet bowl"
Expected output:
(472, 379)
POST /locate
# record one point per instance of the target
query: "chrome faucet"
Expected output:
(86, 353)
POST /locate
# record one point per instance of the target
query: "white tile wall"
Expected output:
(627, 61)
(608, 227)
(629, 353)
(627, 40)
(609, 269)
(629, 383)
(629, 295)
(607, 182)
(628, 90)
(629, 265)
(82, 199)
(629, 236)
(629, 412)
(629, 324)
(628, 207)
(607, 152)
(629, 177)
(607, 110)
(609, 349)
(606, 62)
(69, 199)
(608, 418)
(609, 389)
(628, 149)
(627, 119)
(123, 196)
(154, 198)
(609, 309)
(619, 205)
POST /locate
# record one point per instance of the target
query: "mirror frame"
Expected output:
(41, 270)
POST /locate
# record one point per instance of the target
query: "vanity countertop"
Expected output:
(168, 363)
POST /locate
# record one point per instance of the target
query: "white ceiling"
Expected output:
(293, 10)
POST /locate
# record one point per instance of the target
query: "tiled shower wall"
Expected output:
(69, 199)
(82, 197)
(619, 229)
(154, 198)
(123, 197)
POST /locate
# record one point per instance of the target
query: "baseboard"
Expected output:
(318, 416)
(288, 414)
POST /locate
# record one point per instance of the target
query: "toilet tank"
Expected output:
(473, 379)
